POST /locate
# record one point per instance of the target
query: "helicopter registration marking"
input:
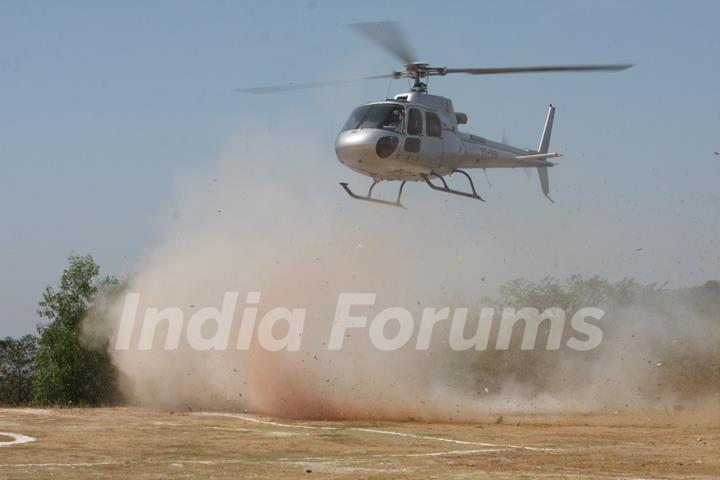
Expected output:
(488, 153)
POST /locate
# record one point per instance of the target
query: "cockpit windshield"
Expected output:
(387, 116)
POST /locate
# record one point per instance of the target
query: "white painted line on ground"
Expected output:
(451, 452)
(17, 439)
(371, 430)
(451, 440)
(412, 435)
(265, 422)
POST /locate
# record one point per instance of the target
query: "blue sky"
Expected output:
(105, 104)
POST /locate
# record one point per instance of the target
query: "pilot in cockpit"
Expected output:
(394, 120)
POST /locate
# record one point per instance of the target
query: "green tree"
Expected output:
(17, 357)
(68, 370)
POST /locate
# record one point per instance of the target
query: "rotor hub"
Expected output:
(419, 70)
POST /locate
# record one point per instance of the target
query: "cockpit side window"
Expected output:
(433, 125)
(387, 116)
(414, 122)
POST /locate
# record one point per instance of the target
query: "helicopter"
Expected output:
(415, 136)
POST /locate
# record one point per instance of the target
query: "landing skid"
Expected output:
(369, 198)
(447, 189)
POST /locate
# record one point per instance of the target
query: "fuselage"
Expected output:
(416, 134)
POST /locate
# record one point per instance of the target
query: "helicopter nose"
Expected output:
(365, 145)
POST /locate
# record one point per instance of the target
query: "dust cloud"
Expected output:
(290, 233)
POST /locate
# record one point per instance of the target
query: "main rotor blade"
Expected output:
(301, 86)
(388, 36)
(551, 68)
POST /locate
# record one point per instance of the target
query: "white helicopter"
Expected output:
(414, 136)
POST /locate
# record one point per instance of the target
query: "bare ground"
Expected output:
(150, 444)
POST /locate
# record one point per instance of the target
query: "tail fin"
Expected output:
(543, 148)
(545, 140)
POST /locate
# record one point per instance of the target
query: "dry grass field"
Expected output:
(151, 444)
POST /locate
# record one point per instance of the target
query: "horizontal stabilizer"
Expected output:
(539, 156)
